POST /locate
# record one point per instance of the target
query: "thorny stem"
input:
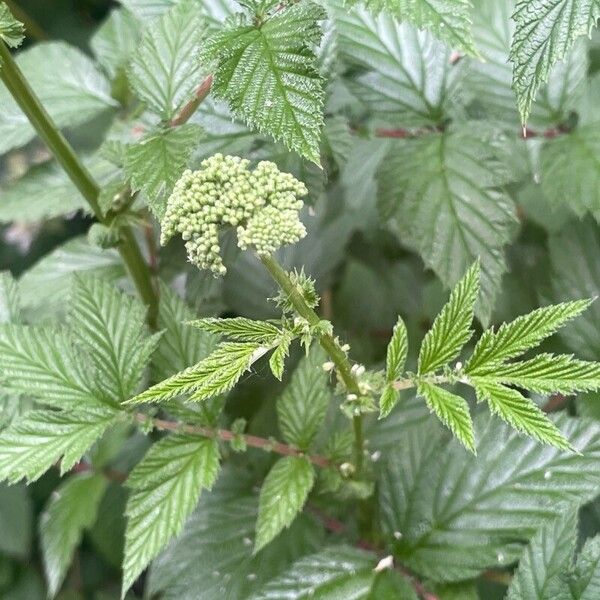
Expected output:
(228, 436)
(30, 104)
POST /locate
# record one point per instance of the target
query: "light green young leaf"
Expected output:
(282, 497)
(40, 438)
(48, 192)
(45, 287)
(570, 166)
(542, 572)
(441, 194)
(451, 329)
(281, 352)
(12, 32)
(214, 375)
(268, 75)
(397, 351)
(115, 41)
(72, 508)
(338, 571)
(524, 333)
(452, 410)
(111, 326)
(42, 363)
(409, 79)
(166, 486)
(10, 301)
(302, 407)
(545, 32)
(165, 71)
(180, 345)
(459, 514)
(547, 374)
(240, 329)
(388, 400)
(520, 412)
(448, 20)
(157, 161)
(68, 84)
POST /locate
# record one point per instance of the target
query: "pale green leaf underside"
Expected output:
(240, 329)
(282, 497)
(166, 486)
(397, 351)
(72, 509)
(545, 32)
(448, 20)
(269, 78)
(41, 438)
(68, 84)
(12, 31)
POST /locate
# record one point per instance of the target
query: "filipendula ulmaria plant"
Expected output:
(318, 80)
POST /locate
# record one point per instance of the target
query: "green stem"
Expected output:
(330, 344)
(29, 103)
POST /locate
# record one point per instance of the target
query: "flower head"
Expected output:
(262, 205)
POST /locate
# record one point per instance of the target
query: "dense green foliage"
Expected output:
(339, 276)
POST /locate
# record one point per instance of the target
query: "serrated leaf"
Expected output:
(180, 345)
(542, 569)
(545, 32)
(489, 81)
(338, 571)
(47, 192)
(397, 351)
(240, 329)
(217, 541)
(115, 41)
(111, 327)
(547, 374)
(164, 71)
(281, 352)
(67, 83)
(10, 299)
(448, 20)
(214, 375)
(524, 333)
(409, 79)
(267, 73)
(302, 407)
(12, 32)
(587, 572)
(45, 286)
(441, 195)
(166, 486)
(452, 410)
(282, 497)
(472, 513)
(40, 438)
(570, 170)
(72, 509)
(519, 412)
(451, 329)
(157, 161)
(389, 398)
(43, 363)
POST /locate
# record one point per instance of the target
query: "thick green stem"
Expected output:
(329, 344)
(17, 85)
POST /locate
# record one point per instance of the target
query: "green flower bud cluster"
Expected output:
(262, 205)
